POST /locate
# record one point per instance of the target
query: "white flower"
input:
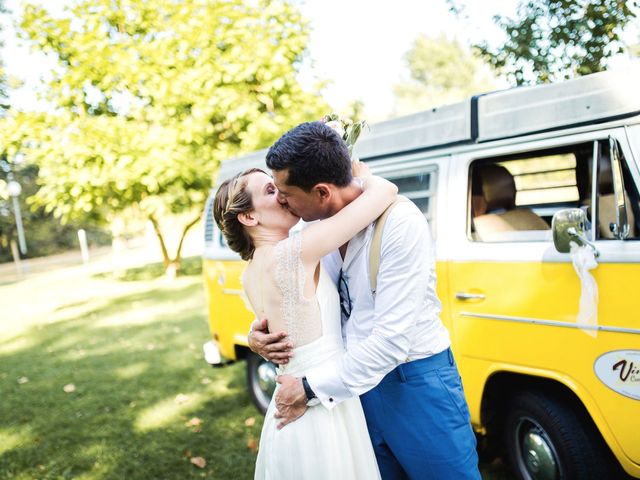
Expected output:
(337, 127)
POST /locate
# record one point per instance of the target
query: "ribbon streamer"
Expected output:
(583, 260)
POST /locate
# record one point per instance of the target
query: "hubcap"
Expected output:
(537, 458)
(267, 378)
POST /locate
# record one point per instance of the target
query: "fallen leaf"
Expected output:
(186, 453)
(23, 380)
(181, 398)
(198, 462)
(252, 444)
(69, 388)
(194, 422)
(250, 422)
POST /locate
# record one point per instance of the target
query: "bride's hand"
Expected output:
(359, 169)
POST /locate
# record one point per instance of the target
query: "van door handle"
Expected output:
(469, 296)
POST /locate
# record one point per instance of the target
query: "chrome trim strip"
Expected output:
(551, 323)
(232, 291)
(595, 159)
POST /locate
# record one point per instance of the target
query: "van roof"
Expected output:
(497, 115)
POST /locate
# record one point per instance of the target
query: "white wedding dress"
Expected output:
(322, 444)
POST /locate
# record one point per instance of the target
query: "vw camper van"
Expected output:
(520, 187)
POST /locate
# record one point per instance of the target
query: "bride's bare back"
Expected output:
(281, 289)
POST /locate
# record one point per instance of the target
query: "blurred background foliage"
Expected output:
(551, 40)
(147, 97)
(441, 71)
(47, 235)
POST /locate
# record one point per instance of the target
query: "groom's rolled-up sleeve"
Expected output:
(402, 282)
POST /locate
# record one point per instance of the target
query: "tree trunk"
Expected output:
(177, 261)
(171, 267)
(166, 261)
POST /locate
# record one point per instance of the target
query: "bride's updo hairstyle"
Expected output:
(232, 198)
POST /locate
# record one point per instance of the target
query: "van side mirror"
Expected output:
(568, 226)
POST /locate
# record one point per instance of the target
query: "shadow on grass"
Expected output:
(135, 388)
(151, 271)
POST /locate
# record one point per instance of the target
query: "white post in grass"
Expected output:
(84, 247)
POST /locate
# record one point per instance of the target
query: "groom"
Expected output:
(397, 357)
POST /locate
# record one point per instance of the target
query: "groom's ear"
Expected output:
(322, 191)
(247, 219)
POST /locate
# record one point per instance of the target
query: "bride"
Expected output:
(285, 282)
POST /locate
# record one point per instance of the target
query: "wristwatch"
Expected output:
(311, 396)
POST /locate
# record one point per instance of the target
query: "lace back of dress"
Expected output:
(301, 315)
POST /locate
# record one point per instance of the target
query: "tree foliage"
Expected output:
(441, 71)
(551, 39)
(150, 96)
(45, 235)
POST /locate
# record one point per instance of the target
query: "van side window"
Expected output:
(513, 198)
(209, 222)
(419, 187)
(221, 240)
(606, 212)
(211, 232)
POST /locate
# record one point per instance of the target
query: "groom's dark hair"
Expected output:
(312, 153)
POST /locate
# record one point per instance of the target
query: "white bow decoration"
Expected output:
(583, 259)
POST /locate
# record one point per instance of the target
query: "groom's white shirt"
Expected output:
(402, 324)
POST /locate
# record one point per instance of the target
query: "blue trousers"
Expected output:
(419, 422)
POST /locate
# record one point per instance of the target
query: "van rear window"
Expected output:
(542, 180)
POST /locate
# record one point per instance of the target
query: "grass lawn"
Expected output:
(140, 401)
(103, 378)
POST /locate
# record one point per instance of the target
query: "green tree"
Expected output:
(149, 97)
(441, 71)
(45, 235)
(552, 40)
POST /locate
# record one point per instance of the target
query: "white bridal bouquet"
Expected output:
(346, 128)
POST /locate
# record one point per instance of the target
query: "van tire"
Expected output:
(552, 428)
(261, 376)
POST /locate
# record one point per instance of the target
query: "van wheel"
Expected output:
(261, 380)
(546, 439)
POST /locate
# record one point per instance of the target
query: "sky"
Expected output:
(359, 44)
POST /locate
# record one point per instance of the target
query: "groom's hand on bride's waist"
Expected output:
(275, 347)
(291, 399)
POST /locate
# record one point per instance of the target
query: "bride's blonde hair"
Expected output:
(232, 198)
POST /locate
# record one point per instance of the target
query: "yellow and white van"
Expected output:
(507, 180)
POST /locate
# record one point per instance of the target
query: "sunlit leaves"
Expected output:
(551, 40)
(150, 96)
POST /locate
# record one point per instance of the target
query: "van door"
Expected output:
(515, 299)
(420, 179)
